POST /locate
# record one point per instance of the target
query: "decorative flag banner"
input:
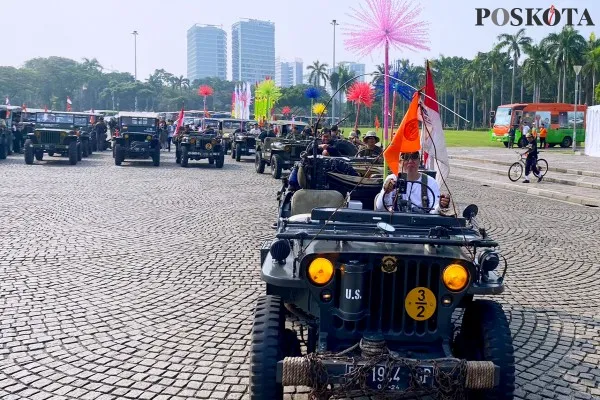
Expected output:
(7, 102)
(406, 139)
(377, 123)
(180, 120)
(24, 108)
(435, 153)
(69, 103)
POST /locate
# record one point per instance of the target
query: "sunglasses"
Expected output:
(409, 156)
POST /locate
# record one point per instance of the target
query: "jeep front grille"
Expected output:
(296, 150)
(50, 137)
(386, 295)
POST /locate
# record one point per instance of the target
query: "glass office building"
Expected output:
(206, 52)
(253, 50)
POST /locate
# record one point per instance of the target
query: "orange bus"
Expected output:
(557, 117)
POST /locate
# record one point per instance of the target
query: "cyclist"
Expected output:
(532, 155)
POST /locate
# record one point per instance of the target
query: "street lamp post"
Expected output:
(577, 69)
(334, 23)
(135, 34)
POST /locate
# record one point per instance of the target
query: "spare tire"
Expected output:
(346, 148)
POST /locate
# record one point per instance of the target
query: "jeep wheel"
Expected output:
(118, 154)
(266, 348)
(566, 142)
(177, 154)
(485, 336)
(276, 166)
(211, 160)
(28, 152)
(3, 149)
(220, 161)
(79, 152)
(184, 156)
(72, 152)
(39, 155)
(259, 163)
(50, 154)
(238, 152)
(84, 149)
(156, 157)
(232, 152)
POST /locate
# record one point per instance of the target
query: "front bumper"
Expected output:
(387, 374)
(205, 153)
(50, 147)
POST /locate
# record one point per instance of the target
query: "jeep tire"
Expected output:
(156, 157)
(28, 152)
(72, 153)
(259, 163)
(266, 348)
(39, 155)
(238, 152)
(233, 152)
(184, 156)
(178, 154)
(485, 336)
(3, 148)
(220, 161)
(276, 166)
(79, 152)
(119, 156)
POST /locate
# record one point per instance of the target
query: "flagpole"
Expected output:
(386, 93)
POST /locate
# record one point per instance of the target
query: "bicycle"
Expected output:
(515, 171)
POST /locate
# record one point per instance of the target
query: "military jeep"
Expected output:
(84, 124)
(136, 137)
(280, 154)
(376, 296)
(7, 119)
(198, 145)
(54, 133)
(244, 144)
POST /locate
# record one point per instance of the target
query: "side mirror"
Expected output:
(470, 212)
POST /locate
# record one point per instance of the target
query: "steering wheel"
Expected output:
(426, 210)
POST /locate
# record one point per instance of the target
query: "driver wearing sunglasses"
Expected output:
(409, 163)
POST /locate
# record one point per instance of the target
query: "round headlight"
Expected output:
(455, 277)
(126, 136)
(287, 148)
(193, 140)
(320, 271)
(214, 141)
(489, 260)
(148, 137)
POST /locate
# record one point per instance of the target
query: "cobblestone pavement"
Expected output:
(140, 282)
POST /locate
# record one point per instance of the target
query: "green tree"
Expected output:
(318, 71)
(514, 45)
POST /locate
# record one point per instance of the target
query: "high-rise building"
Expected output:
(206, 52)
(356, 68)
(253, 50)
(288, 73)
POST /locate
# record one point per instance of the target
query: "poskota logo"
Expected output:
(550, 16)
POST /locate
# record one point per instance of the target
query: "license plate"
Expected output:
(398, 378)
(252, 151)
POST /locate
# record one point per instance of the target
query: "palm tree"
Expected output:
(535, 68)
(318, 71)
(493, 61)
(565, 48)
(513, 44)
(591, 65)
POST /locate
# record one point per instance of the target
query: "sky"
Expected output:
(102, 29)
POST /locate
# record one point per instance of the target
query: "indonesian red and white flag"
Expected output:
(7, 102)
(69, 103)
(435, 154)
(180, 120)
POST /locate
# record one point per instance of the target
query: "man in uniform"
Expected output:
(531, 162)
(101, 129)
(370, 148)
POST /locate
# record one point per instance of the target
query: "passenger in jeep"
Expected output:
(417, 193)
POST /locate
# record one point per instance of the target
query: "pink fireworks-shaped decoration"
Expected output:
(386, 23)
(286, 110)
(391, 22)
(205, 90)
(361, 93)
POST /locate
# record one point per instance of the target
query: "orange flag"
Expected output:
(377, 124)
(407, 138)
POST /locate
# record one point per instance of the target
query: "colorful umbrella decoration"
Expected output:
(267, 95)
(312, 93)
(205, 91)
(319, 108)
(386, 23)
(361, 93)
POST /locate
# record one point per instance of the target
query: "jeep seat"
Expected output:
(304, 200)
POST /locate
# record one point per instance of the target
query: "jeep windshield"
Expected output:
(363, 226)
(139, 124)
(54, 118)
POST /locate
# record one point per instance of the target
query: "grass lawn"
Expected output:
(453, 138)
